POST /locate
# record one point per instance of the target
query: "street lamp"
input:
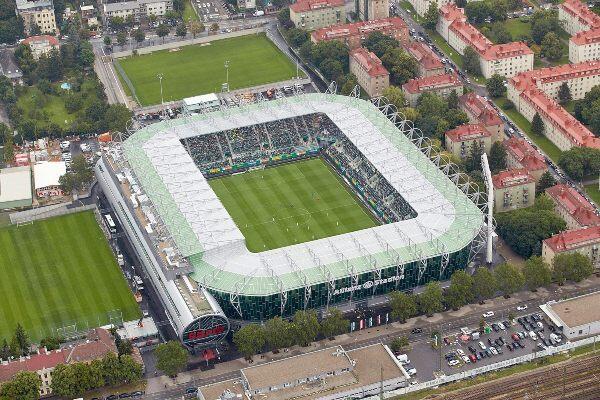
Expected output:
(227, 74)
(160, 78)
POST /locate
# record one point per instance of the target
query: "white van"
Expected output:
(532, 335)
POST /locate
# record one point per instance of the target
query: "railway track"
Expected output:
(578, 379)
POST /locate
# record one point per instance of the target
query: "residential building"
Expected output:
(460, 139)
(15, 187)
(577, 17)
(585, 241)
(369, 71)
(46, 175)
(513, 188)
(89, 15)
(37, 12)
(572, 207)
(481, 112)
(369, 10)
(353, 34)
(136, 8)
(315, 14)
(576, 317)
(504, 59)
(42, 44)
(442, 85)
(421, 6)
(429, 63)
(585, 46)
(9, 67)
(520, 154)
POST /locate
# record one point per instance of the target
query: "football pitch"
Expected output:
(291, 203)
(198, 69)
(59, 272)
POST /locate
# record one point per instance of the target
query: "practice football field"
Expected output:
(199, 69)
(291, 203)
(58, 272)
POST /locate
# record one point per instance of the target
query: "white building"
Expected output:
(38, 12)
(585, 46)
(15, 187)
(577, 317)
(137, 8)
(577, 17)
(46, 175)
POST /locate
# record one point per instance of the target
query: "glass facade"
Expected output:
(260, 308)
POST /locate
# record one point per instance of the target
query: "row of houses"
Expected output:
(316, 14)
(16, 183)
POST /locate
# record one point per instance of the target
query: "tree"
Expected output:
(460, 291)
(121, 38)
(500, 33)
(278, 333)
(484, 284)
(334, 323)
(580, 161)
(571, 266)
(117, 117)
(431, 16)
(551, 47)
(125, 347)
(509, 278)
(537, 125)
(380, 43)
(82, 170)
(214, 27)
(332, 69)
(395, 96)
(430, 301)
(5, 350)
(65, 382)
(25, 385)
(546, 181)
(399, 344)
(139, 35)
(283, 17)
(181, 30)
(249, 340)
(537, 273)
(162, 31)
(171, 357)
(543, 22)
(196, 27)
(564, 93)
(473, 158)
(107, 41)
(471, 61)
(403, 306)
(22, 339)
(131, 371)
(297, 37)
(452, 100)
(306, 327)
(400, 65)
(50, 343)
(497, 158)
(495, 85)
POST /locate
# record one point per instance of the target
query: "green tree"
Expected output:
(66, 382)
(452, 100)
(171, 357)
(403, 306)
(500, 33)
(110, 367)
(399, 344)
(497, 158)
(297, 37)
(306, 327)
(564, 93)
(82, 170)
(460, 291)
(107, 41)
(484, 284)
(278, 333)
(117, 117)
(181, 30)
(121, 38)
(401, 66)
(131, 371)
(125, 347)
(551, 47)
(537, 273)
(22, 339)
(509, 278)
(471, 61)
(473, 158)
(380, 43)
(580, 162)
(537, 125)
(543, 22)
(50, 343)
(573, 266)
(25, 385)
(214, 27)
(431, 16)
(334, 323)
(395, 96)
(348, 82)
(5, 352)
(250, 339)
(139, 35)
(196, 27)
(430, 301)
(546, 181)
(495, 85)
(162, 31)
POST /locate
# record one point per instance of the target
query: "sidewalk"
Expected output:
(467, 315)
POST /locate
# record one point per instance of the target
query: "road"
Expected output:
(108, 76)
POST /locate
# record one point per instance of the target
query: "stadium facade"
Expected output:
(431, 220)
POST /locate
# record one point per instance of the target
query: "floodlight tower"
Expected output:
(490, 217)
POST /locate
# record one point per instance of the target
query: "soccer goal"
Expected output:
(23, 223)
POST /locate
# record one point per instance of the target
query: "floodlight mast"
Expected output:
(490, 209)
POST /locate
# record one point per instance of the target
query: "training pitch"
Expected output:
(291, 203)
(198, 69)
(59, 272)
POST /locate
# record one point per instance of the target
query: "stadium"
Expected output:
(424, 222)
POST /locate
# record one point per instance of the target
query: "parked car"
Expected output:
(522, 308)
(488, 314)
(472, 358)
(481, 346)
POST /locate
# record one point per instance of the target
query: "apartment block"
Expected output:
(353, 34)
(460, 140)
(442, 85)
(481, 112)
(37, 12)
(369, 71)
(316, 14)
(585, 241)
(368, 10)
(513, 189)
(137, 8)
(42, 44)
(577, 17)
(585, 46)
(421, 6)
(572, 207)
(429, 63)
(520, 154)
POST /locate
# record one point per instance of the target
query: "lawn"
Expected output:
(291, 203)
(199, 69)
(58, 272)
(189, 14)
(594, 193)
(517, 27)
(541, 141)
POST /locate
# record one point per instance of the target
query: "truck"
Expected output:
(259, 13)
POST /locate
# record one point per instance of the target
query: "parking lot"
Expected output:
(469, 348)
(211, 11)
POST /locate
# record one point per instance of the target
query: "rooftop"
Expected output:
(577, 311)
(310, 5)
(471, 36)
(24, 5)
(480, 109)
(574, 239)
(508, 50)
(99, 343)
(580, 10)
(574, 204)
(512, 177)
(424, 55)
(525, 154)
(419, 85)
(36, 362)
(15, 184)
(586, 37)
(8, 64)
(467, 132)
(50, 40)
(362, 28)
(134, 330)
(529, 79)
(369, 62)
(47, 173)
(451, 12)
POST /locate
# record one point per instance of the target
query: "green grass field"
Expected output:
(593, 191)
(199, 69)
(57, 272)
(291, 203)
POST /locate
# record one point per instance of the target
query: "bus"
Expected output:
(110, 224)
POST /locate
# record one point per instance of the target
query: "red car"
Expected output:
(472, 358)
(515, 336)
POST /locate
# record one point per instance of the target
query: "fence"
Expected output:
(491, 367)
(126, 79)
(39, 213)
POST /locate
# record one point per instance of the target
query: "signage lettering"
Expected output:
(203, 333)
(368, 284)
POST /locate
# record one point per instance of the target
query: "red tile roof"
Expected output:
(480, 109)
(369, 62)
(586, 37)
(99, 342)
(511, 177)
(471, 36)
(424, 55)
(573, 239)
(535, 77)
(467, 132)
(451, 12)
(574, 204)
(309, 5)
(363, 28)
(507, 50)
(52, 41)
(32, 363)
(581, 11)
(419, 85)
(525, 154)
